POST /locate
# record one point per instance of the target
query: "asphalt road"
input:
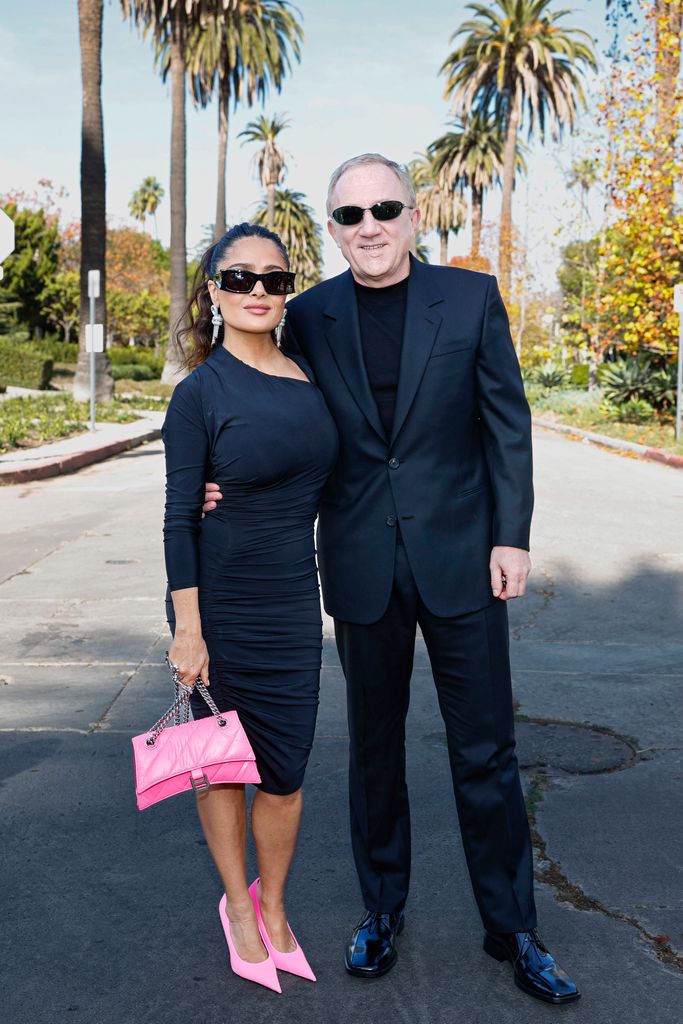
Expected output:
(109, 916)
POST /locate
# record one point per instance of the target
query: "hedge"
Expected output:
(579, 373)
(132, 355)
(132, 371)
(23, 366)
(60, 351)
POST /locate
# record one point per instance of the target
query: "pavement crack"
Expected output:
(549, 872)
(26, 569)
(547, 593)
(98, 725)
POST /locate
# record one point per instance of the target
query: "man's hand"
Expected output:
(509, 570)
(212, 496)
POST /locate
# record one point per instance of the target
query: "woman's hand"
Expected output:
(212, 495)
(189, 654)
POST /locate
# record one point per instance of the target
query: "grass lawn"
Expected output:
(64, 373)
(582, 409)
(153, 388)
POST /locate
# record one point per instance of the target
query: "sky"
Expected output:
(368, 81)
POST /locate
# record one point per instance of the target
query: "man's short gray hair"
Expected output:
(371, 158)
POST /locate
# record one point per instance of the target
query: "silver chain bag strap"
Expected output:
(179, 710)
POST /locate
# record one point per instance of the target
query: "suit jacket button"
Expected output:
(394, 463)
(391, 520)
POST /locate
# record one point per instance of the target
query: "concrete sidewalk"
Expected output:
(79, 450)
(110, 915)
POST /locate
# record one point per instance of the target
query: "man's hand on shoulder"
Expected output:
(509, 570)
(212, 495)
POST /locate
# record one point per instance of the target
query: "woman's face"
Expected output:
(254, 312)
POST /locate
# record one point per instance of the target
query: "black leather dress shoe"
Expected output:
(372, 949)
(536, 972)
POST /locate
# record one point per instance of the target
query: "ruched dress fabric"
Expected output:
(270, 443)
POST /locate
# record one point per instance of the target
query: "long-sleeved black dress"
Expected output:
(270, 443)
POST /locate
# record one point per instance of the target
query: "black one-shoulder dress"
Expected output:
(270, 443)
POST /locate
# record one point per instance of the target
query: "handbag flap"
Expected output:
(183, 748)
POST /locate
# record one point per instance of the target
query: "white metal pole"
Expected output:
(92, 362)
(93, 293)
(678, 308)
(679, 388)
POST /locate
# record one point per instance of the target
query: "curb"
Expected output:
(77, 460)
(604, 441)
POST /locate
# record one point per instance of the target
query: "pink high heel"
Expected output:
(263, 973)
(294, 962)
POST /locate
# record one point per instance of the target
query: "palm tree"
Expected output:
(169, 22)
(145, 201)
(471, 156)
(93, 209)
(138, 208)
(442, 208)
(516, 59)
(270, 159)
(295, 224)
(239, 54)
(152, 192)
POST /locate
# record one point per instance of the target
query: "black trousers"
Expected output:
(470, 663)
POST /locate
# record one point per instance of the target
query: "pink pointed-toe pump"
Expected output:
(294, 962)
(263, 973)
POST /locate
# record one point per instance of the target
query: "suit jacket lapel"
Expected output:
(343, 336)
(422, 324)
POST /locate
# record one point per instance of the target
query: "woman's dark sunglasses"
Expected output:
(275, 282)
(390, 209)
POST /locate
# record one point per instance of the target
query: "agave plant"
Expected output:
(638, 378)
(552, 377)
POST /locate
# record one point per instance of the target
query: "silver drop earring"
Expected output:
(278, 329)
(217, 321)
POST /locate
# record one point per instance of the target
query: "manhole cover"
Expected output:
(570, 748)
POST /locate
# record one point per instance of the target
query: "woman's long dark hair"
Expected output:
(196, 320)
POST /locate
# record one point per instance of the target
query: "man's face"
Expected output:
(377, 251)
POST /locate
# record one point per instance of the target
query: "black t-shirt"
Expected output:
(382, 316)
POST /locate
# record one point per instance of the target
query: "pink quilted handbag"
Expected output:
(191, 755)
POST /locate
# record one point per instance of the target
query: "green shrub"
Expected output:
(24, 366)
(132, 371)
(552, 377)
(579, 375)
(639, 378)
(636, 410)
(59, 351)
(129, 355)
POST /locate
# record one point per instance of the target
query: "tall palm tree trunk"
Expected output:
(270, 188)
(477, 217)
(93, 209)
(505, 236)
(172, 363)
(223, 125)
(443, 237)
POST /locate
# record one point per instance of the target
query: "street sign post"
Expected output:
(92, 336)
(678, 308)
(6, 238)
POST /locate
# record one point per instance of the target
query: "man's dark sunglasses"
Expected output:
(390, 209)
(275, 282)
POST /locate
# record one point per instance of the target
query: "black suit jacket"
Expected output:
(456, 473)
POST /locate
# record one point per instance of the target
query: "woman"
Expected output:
(243, 582)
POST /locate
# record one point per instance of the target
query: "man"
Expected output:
(425, 521)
